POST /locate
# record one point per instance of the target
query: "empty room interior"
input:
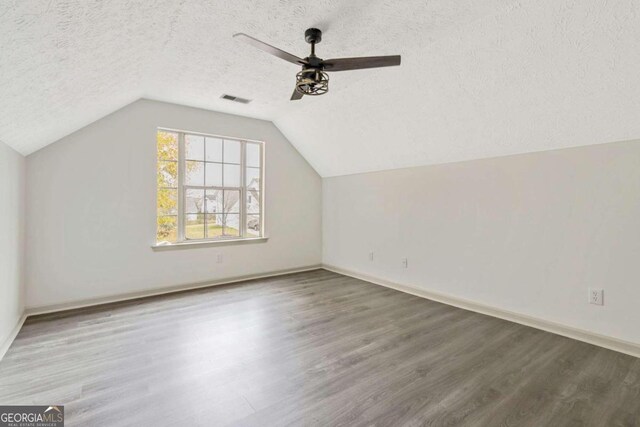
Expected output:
(319, 213)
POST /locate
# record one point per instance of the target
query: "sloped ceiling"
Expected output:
(479, 78)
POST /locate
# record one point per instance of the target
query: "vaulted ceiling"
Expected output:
(479, 78)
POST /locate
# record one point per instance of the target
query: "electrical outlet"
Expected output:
(405, 263)
(596, 296)
(371, 256)
(219, 259)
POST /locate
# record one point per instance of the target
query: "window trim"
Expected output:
(181, 240)
(190, 244)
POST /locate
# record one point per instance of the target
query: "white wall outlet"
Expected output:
(219, 258)
(371, 256)
(596, 296)
(405, 263)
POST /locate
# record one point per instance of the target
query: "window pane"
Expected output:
(194, 201)
(231, 175)
(231, 201)
(167, 229)
(231, 225)
(253, 225)
(194, 147)
(194, 174)
(167, 202)
(231, 151)
(214, 149)
(214, 175)
(253, 154)
(194, 226)
(167, 174)
(253, 178)
(167, 145)
(214, 226)
(253, 201)
(214, 201)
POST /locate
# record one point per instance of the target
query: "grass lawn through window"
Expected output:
(196, 231)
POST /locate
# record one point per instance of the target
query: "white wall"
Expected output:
(12, 211)
(526, 233)
(92, 209)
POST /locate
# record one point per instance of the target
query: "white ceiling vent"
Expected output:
(235, 98)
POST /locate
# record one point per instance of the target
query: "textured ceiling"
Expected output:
(479, 78)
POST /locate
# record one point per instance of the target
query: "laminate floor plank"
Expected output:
(312, 348)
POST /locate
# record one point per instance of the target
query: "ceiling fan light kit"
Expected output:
(312, 82)
(313, 79)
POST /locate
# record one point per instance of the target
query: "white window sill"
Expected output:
(208, 243)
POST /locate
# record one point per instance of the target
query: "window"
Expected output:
(209, 187)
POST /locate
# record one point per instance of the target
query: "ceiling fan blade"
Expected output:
(270, 49)
(296, 95)
(345, 64)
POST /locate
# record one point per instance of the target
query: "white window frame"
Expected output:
(182, 189)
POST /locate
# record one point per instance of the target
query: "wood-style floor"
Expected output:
(313, 348)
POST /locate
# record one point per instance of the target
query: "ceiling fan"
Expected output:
(313, 79)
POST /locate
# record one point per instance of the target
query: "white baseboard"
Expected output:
(611, 343)
(33, 311)
(12, 336)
